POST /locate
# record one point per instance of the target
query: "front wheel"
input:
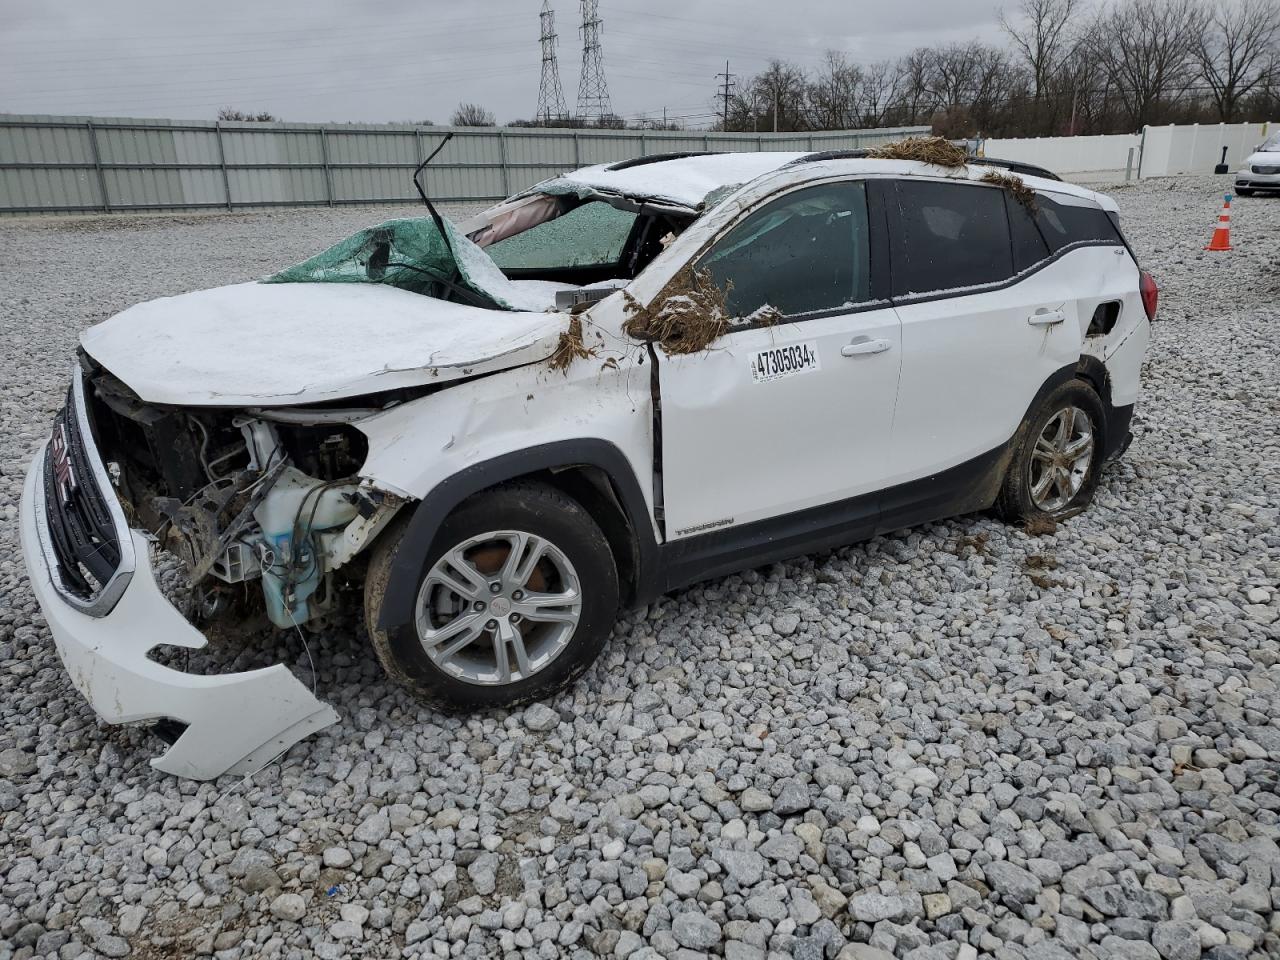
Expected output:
(1056, 458)
(518, 594)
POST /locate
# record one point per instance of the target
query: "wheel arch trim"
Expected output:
(430, 512)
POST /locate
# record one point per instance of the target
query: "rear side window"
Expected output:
(1029, 246)
(1066, 223)
(805, 252)
(592, 234)
(952, 236)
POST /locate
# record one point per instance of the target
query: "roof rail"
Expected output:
(1013, 166)
(656, 158)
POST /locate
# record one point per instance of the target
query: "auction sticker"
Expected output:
(775, 363)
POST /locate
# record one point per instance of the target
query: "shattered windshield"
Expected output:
(1271, 145)
(592, 234)
(514, 256)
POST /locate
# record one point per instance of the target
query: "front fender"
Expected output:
(444, 447)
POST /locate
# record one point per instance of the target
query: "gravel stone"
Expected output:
(874, 907)
(745, 866)
(540, 718)
(374, 830)
(695, 931)
(289, 906)
(1176, 940)
(1016, 884)
(793, 798)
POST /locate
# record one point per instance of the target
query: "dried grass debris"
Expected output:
(1015, 185)
(938, 151)
(570, 346)
(1040, 525)
(687, 317)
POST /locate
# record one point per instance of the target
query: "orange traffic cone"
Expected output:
(1222, 233)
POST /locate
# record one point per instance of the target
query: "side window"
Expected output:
(592, 234)
(804, 252)
(1029, 246)
(953, 236)
(1064, 223)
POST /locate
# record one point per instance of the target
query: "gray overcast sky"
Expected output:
(400, 60)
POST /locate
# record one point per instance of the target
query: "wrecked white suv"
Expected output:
(630, 378)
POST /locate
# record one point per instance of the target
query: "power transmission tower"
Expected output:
(729, 84)
(593, 89)
(551, 109)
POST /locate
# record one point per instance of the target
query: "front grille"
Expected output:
(1266, 171)
(85, 544)
(85, 540)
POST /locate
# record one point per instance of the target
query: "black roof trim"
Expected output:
(1016, 166)
(1013, 166)
(656, 158)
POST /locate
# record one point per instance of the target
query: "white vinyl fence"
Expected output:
(1198, 148)
(1082, 159)
(1156, 152)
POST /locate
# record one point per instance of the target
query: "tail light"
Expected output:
(1150, 294)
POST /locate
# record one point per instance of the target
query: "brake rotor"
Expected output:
(489, 559)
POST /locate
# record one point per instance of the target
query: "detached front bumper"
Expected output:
(235, 723)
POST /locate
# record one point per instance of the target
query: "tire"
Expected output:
(481, 534)
(1072, 482)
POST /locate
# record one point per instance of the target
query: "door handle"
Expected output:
(1046, 318)
(861, 347)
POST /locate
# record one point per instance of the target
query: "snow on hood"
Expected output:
(255, 344)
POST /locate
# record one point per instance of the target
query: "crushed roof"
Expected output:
(682, 180)
(688, 181)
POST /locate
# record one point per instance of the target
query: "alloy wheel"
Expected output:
(498, 607)
(1060, 459)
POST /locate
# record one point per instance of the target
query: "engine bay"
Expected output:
(244, 496)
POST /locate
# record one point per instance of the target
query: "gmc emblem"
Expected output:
(60, 460)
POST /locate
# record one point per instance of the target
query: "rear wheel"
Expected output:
(518, 595)
(1057, 457)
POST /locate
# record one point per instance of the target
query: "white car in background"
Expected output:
(1261, 170)
(639, 376)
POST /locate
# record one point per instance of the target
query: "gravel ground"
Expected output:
(956, 742)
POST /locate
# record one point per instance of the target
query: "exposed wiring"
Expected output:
(307, 649)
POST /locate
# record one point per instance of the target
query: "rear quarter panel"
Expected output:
(1110, 274)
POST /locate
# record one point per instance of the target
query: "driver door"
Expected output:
(779, 417)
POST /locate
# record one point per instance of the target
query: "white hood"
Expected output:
(256, 344)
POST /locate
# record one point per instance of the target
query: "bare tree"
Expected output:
(231, 113)
(877, 93)
(1042, 38)
(915, 72)
(832, 95)
(777, 97)
(472, 115)
(1145, 46)
(1235, 52)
